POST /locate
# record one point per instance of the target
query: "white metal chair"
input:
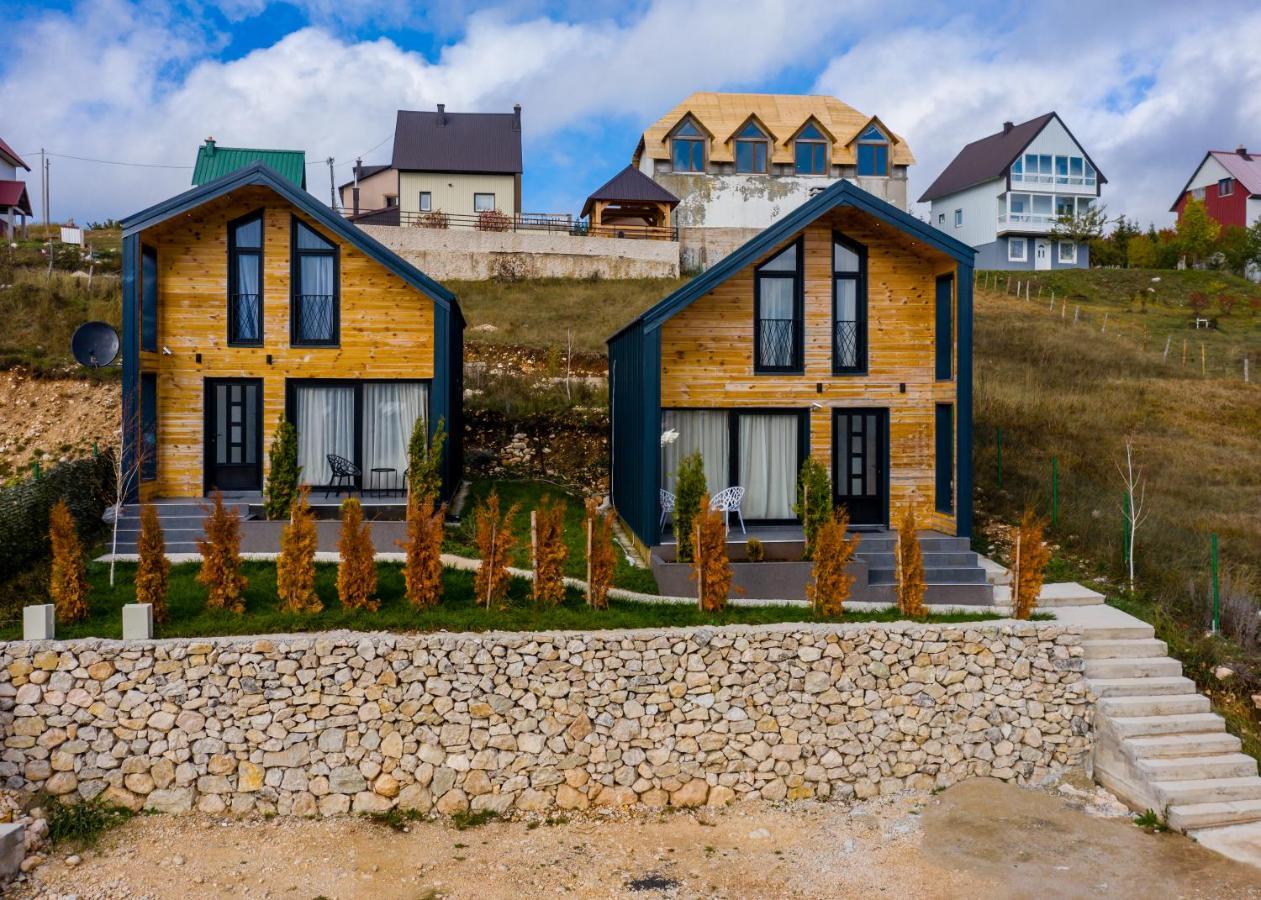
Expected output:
(666, 500)
(728, 501)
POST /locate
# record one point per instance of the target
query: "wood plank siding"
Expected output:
(386, 327)
(707, 352)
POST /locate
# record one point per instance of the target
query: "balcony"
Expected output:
(1065, 183)
(1040, 223)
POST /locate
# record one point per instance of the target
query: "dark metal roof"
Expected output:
(991, 157)
(457, 142)
(364, 172)
(630, 185)
(214, 162)
(14, 160)
(13, 193)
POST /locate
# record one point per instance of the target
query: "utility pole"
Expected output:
(332, 189)
(43, 172)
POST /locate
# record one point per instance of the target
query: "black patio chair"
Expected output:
(345, 475)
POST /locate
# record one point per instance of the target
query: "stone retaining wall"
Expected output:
(338, 722)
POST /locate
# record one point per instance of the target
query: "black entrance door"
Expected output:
(860, 463)
(234, 440)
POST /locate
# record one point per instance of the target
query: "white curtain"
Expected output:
(326, 424)
(699, 430)
(768, 465)
(390, 411)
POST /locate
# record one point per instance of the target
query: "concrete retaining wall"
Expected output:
(464, 254)
(338, 722)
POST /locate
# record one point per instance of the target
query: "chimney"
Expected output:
(1243, 151)
(1007, 127)
(516, 117)
(442, 114)
(210, 146)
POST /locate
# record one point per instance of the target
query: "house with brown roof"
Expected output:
(14, 201)
(1005, 193)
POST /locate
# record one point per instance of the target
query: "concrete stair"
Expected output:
(1158, 745)
(181, 522)
(953, 573)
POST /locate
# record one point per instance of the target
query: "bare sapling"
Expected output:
(1135, 500)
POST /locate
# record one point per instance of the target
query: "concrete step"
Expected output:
(939, 575)
(1160, 705)
(1141, 687)
(882, 560)
(1142, 726)
(1172, 746)
(1184, 768)
(938, 594)
(1208, 790)
(886, 542)
(1125, 648)
(1068, 593)
(1153, 667)
(1213, 815)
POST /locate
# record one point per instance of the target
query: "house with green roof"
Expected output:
(213, 162)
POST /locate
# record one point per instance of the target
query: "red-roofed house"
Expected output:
(1229, 183)
(13, 198)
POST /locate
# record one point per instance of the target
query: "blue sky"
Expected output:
(1145, 86)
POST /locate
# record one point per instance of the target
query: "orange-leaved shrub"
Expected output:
(833, 549)
(550, 551)
(911, 586)
(153, 568)
(221, 557)
(357, 571)
(68, 581)
(495, 543)
(422, 549)
(295, 566)
(600, 558)
(1030, 556)
(711, 568)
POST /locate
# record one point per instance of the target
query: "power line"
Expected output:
(112, 162)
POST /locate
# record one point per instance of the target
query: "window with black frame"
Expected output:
(811, 151)
(245, 280)
(849, 306)
(314, 302)
(687, 148)
(752, 150)
(778, 308)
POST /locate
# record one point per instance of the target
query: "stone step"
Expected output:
(1141, 687)
(1125, 648)
(1141, 726)
(1160, 705)
(1154, 667)
(1208, 790)
(1184, 768)
(1068, 593)
(1210, 815)
(1172, 746)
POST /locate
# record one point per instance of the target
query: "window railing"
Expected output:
(776, 342)
(845, 345)
(1070, 180)
(243, 319)
(313, 318)
(1039, 219)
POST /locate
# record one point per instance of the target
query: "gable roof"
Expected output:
(1243, 166)
(214, 162)
(991, 157)
(630, 184)
(457, 142)
(13, 193)
(261, 174)
(8, 153)
(364, 172)
(783, 115)
(841, 193)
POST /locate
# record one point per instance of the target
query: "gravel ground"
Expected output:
(982, 838)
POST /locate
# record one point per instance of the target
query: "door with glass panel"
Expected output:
(860, 458)
(233, 438)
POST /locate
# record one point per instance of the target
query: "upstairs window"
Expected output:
(873, 153)
(849, 306)
(245, 281)
(1225, 187)
(958, 218)
(778, 308)
(811, 151)
(313, 307)
(1090, 171)
(687, 148)
(148, 298)
(752, 147)
(1064, 207)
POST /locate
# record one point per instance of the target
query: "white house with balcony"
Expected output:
(1004, 194)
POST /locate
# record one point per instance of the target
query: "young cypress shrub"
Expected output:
(910, 564)
(68, 580)
(283, 472)
(814, 500)
(221, 558)
(422, 567)
(357, 571)
(600, 558)
(295, 566)
(550, 552)
(1030, 558)
(153, 569)
(495, 542)
(833, 549)
(689, 487)
(424, 460)
(712, 568)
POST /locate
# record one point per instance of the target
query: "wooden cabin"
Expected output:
(842, 332)
(246, 300)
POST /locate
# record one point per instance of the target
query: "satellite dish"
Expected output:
(94, 344)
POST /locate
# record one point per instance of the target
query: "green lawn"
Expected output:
(186, 599)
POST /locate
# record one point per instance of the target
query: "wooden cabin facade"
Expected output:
(245, 300)
(842, 332)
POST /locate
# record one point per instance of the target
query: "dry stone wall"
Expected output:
(340, 722)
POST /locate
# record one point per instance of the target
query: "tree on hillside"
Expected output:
(1113, 248)
(1141, 252)
(1197, 232)
(1240, 247)
(1083, 226)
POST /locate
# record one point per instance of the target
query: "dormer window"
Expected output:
(810, 150)
(873, 153)
(752, 146)
(687, 148)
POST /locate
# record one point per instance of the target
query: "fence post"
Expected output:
(1168, 341)
(1245, 370)
(96, 451)
(999, 452)
(1217, 594)
(1055, 492)
(36, 465)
